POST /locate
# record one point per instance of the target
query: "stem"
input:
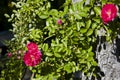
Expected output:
(32, 76)
(49, 37)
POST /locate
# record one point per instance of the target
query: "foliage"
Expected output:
(66, 48)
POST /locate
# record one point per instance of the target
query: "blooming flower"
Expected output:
(59, 21)
(32, 47)
(32, 58)
(109, 12)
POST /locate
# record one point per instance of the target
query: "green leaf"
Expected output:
(61, 49)
(78, 26)
(57, 55)
(50, 77)
(43, 16)
(89, 39)
(90, 49)
(84, 52)
(45, 47)
(74, 7)
(33, 70)
(81, 4)
(88, 24)
(96, 20)
(68, 68)
(94, 63)
(92, 2)
(96, 32)
(88, 65)
(82, 38)
(108, 38)
(83, 30)
(97, 10)
(91, 54)
(6, 15)
(94, 25)
(75, 39)
(66, 9)
(83, 14)
(103, 2)
(48, 5)
(71, 11)
(70, 33)
(77, 16)
(82, 23)
(68, 52)
(78, 6)
(90, 31)
(64, 43)
(62, 31)
(49, 54)
(87, 8)
(53, 12)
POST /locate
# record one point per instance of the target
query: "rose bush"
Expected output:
(62, 40)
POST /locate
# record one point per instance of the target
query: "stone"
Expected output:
(5, 35)
(108, 60)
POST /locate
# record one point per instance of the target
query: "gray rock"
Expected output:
(5, 35)
(108, 59)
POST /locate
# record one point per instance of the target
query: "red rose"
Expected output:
(109, 12)
(32, 47)
(32, 58)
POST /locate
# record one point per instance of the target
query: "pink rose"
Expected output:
(32, 47)
(59, 21)
(32, 59)
(109, 12)
(9, 54)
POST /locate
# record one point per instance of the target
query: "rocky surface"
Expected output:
(5, 35)
(108, 59)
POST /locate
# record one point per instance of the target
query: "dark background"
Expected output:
(7, 7)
